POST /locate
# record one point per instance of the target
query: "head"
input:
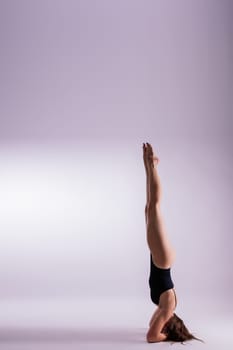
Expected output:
(176, 330)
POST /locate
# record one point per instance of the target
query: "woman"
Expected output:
(164, 323)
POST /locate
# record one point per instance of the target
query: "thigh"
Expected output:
(162, 252)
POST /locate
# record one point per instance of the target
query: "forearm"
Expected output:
(152, 318)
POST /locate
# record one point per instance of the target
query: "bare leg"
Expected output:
(162, 252)
(147, 182)
(146, 154)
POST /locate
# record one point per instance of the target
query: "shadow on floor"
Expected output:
(12, 335)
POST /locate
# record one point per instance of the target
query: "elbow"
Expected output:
(150, 338)
(155, 339)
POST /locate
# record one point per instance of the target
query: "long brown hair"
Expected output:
(176, 331)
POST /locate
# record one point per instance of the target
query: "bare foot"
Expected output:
(151, 159)
(145, 158)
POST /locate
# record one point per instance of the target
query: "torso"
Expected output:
(161, 286)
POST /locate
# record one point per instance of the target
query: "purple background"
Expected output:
(83, 84)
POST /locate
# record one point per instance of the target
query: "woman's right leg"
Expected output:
(162, 252)
(147, 184)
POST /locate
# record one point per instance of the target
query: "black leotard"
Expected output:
(159, 281)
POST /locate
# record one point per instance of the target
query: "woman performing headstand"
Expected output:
(164, 324)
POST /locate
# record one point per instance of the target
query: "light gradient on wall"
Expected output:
(83, 84)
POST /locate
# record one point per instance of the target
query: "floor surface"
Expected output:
(104, 323)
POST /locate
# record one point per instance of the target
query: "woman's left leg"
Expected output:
(162, 252)
(147, 184)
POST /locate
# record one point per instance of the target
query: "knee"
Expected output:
(153, 205)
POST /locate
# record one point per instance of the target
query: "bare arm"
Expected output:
(154, 333)
(153, 316)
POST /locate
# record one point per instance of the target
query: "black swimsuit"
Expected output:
(159, 281)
